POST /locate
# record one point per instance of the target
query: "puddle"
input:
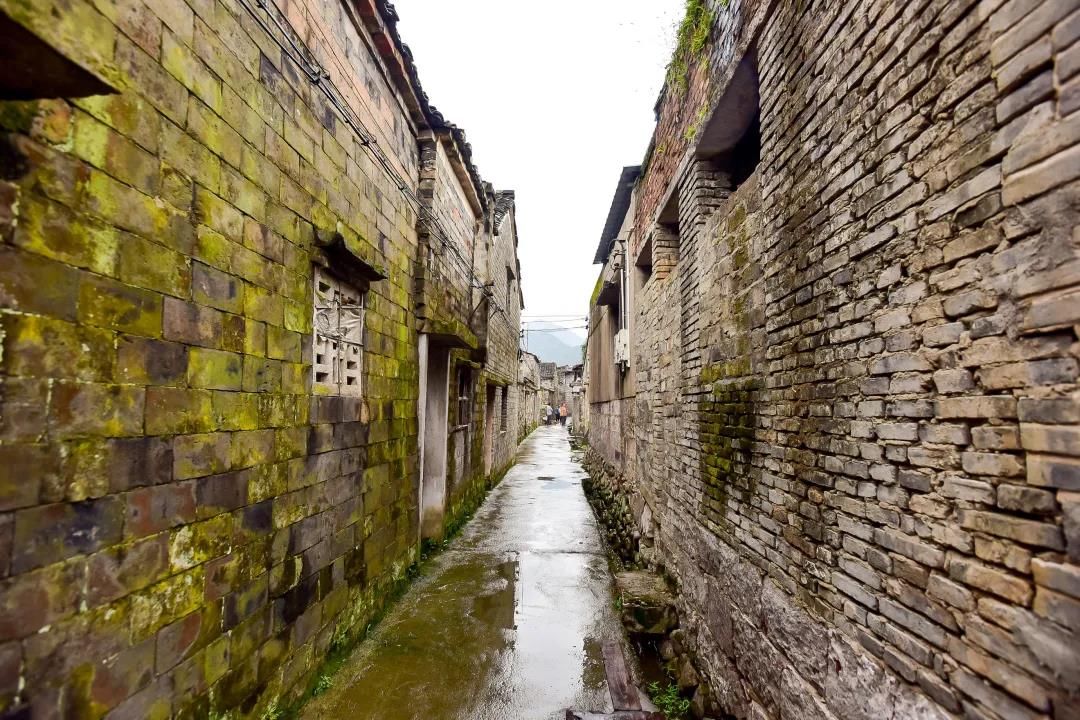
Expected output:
(507, 624)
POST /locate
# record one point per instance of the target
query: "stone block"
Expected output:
(796, 633)
(856, 685)
(999, 406)
(994, 464)
(47, 534)
(909, 547)
(162, 603)
(647, 605)
(217, 289)
(1026, 499)
(42, 347)
(199, 542)
(30, 283)
(32, 600)
(198, 455)
(96, 409)
(215, 369)
(123, 569)
(1029, 532)
(26, 469)
(154, 509)
(108, 304)
(178, 410)
(192, 324)
(146, 361)
(987, 579)
(221, 493)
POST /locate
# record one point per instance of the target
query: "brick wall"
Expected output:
(859, 449)
(186, 526)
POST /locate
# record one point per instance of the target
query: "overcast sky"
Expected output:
(556, 96)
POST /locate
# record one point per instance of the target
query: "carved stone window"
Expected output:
(464, 396)
(504, 419)
(338, 357)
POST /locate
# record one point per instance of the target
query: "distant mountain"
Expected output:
(551, 343)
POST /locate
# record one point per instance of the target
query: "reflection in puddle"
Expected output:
(508, 624)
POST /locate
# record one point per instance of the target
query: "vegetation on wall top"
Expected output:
(691, 38)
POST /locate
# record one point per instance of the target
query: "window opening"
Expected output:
(504, 420)
(338, 354)
(464, 382)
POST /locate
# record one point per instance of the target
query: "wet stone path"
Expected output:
(507, 623)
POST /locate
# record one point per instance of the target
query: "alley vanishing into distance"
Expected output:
(264, 344)
(508, 623)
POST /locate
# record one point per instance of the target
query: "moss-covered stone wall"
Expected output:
(858, 388)
(186, 525)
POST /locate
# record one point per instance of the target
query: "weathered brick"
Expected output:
(198, 455)
(108, 304)
(996, 464)
(968, 489)
(145, 361)
(1001, 406)
(123, 569)
(214, 369)
(1061, 577)
(1051, 471)
(46, 534)
(151, 510)
(178, 410)
(1060, 439)
(36, 346)
(991, 437)
(192, 324)
(32, 600)
(990, 580)
(910, 547)
(1026, 499)
(26, 469)
(1049, 410)
(96, 409)
(1028, 532)
(1063, 610)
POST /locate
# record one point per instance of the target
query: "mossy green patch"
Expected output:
(692, 36)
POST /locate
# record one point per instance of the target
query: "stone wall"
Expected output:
(859, 449)
(529, 388)
(504, 330)
(189, 524)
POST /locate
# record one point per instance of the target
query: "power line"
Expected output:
(298, 52)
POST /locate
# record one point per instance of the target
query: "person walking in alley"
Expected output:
(562, 414)
(547, 414)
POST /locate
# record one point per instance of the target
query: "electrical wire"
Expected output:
(298, 52)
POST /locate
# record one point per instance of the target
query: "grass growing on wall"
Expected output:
(691, 38)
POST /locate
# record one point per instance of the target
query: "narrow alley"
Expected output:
(508, 622)
(752, 353)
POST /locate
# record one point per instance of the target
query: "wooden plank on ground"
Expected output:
(624, 695)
